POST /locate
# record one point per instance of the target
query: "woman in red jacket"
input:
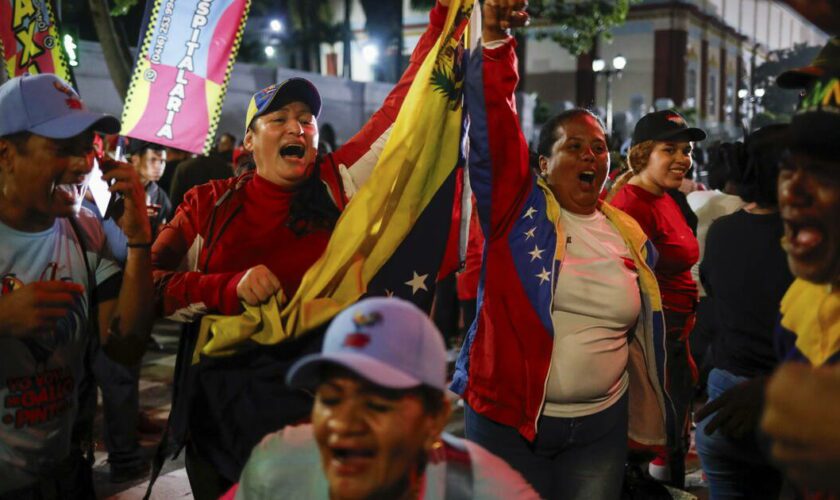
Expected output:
(243, 240)
(660, 156)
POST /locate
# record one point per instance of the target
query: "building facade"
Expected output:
(692, 54)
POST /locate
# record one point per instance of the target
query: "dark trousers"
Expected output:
(121, 409)
(571, 458)
(205, 481)
(71, 480)
(681, 382)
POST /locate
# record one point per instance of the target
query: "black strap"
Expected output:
(157, 462)
(87, 444)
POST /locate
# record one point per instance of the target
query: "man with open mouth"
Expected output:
(377, 422)
(802, 405)
(57, 273)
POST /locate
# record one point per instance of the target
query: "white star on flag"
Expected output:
(536, 253)
(544, 276)
(418, 282)
(530, 213)
(530, 233)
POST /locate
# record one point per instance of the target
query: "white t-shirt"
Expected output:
(39, 377)
(287, 465)
(596, 302)
(709, 206)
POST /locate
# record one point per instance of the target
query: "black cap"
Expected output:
(665, 125)
(816, 124)
(827, 61)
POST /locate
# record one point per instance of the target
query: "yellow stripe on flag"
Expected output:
(420, 154)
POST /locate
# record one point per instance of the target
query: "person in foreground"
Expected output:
(377, 422)
(569, 332)
(745, 274)
(60, 283)
(801, 408)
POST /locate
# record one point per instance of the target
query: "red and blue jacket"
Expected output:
(503, 367)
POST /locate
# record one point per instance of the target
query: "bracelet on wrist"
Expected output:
(139, 245)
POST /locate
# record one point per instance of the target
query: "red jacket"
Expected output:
(191, 279)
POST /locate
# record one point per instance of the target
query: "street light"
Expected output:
(599, 66)
(759, 92)
(275, 25)
(269, 51)
(370, 52)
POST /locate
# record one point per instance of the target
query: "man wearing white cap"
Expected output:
(377, 421)
(56, 273)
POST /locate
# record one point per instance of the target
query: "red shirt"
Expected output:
(259, 235)
(665, 226)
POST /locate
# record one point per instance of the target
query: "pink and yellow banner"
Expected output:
(182, 70)
(29, 39)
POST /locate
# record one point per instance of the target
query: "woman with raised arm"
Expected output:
(569, 317)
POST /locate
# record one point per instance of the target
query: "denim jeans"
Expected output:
(735, 469)
(571, 458)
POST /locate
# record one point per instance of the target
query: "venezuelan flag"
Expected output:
(392, 236)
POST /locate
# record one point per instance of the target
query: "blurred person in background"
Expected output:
(149, 160)
(709, 205)
(195, 172)
(225, 146)
(745, 275)
(173, 158)
(659, 158)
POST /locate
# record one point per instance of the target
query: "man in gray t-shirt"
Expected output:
(59, 282)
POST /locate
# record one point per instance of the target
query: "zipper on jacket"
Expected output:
(555, 275)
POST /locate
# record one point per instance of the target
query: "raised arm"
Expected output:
(498, 164)
(360, 154)
(126, 322)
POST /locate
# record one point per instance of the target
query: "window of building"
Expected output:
(691, 88)
(711, 98)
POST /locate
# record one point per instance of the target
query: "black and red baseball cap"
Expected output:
(667, 125)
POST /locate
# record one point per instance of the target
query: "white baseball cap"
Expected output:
(387, 341)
